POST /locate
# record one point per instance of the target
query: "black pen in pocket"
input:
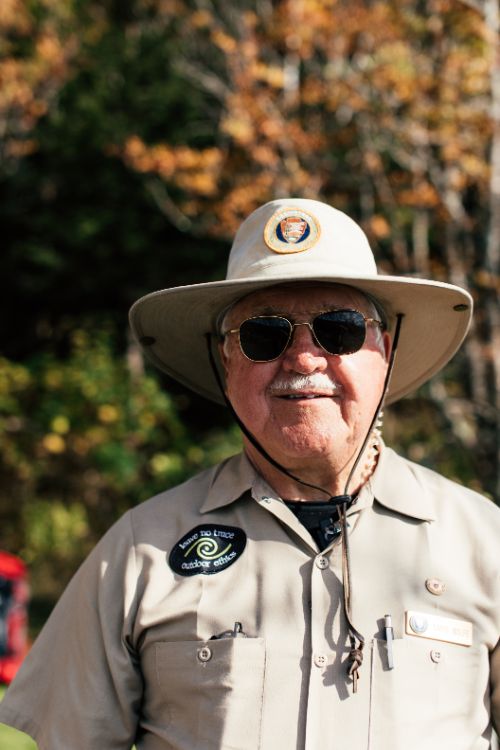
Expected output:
(236, 632)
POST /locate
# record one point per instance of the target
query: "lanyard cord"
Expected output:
(356, 639)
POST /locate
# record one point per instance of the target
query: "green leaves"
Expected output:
(81, 440)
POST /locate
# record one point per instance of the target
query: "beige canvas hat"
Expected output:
(290, 240)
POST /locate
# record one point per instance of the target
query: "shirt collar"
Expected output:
(395, 484)
(398, 486)
(232, 479)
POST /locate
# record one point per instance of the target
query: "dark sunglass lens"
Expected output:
(263, 339)
(340, 331)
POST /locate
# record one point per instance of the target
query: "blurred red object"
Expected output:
(14, 597)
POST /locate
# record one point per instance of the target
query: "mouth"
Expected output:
(304, 396)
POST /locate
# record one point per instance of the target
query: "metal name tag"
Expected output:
(439, 628)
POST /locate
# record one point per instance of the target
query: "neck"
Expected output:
(323, 474)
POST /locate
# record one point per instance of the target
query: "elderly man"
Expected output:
(317, 591)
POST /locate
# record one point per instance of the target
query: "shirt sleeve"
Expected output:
(80, 686)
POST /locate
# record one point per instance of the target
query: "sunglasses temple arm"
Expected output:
(253, 440)
(380, 404)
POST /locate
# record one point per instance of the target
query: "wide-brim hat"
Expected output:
(297, 240)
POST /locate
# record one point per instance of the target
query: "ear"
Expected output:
(387, 341)
(223, 356)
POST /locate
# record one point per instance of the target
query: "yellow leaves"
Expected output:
(52, 525)
(164, 463)
(393, 68)
(202, 184)
(107, 413)
(270, 74)
(225, 42)
(13, 377)
(475, 167)
(194, 170)
(379, 226)
(60, 424)
(54, 443)
(238, 126)
(201, 19)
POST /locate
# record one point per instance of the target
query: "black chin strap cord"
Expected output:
(342, 502)
(253, 440)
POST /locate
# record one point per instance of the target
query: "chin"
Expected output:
(308, 446)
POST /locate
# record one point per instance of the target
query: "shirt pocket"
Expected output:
(214, 691)
(435, 697)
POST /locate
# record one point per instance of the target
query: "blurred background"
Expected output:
(135, 135)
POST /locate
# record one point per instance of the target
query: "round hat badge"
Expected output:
(291, 230)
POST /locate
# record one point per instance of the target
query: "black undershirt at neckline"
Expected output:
(321, 519)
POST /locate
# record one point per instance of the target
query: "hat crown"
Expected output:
(294, 237)
(290, 240)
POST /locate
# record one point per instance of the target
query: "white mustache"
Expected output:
(315, 382)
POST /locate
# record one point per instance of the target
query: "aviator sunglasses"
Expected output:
(266, 337)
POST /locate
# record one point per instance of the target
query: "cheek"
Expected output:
(364, 374)
(246, 384)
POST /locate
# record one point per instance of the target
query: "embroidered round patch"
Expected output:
(291, 230)
(207, 549)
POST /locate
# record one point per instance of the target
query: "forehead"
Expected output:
(296, 298)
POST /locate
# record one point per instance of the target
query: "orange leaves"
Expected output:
(14, 17)
(195, 171)
(224, 41)
(30, 80)
(379, 227)
(421, 195)
(238, 125)
(309, 90)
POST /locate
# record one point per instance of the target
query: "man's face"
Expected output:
(307, 404)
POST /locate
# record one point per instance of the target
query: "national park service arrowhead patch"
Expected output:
(207, 549)
(291, 230)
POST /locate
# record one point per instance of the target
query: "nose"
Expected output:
(303, 354)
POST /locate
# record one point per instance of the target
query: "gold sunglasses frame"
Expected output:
(309, 324)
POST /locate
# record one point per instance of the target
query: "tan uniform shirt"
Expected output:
(128, 656)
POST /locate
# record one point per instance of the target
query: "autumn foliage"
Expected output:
(175, 119)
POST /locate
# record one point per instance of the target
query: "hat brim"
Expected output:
(171, 325)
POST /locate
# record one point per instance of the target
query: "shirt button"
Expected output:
(435, 586)
(321, 562)
(319, 660)
(204, 654)
(436, 655)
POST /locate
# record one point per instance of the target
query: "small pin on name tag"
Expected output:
(445, 629)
